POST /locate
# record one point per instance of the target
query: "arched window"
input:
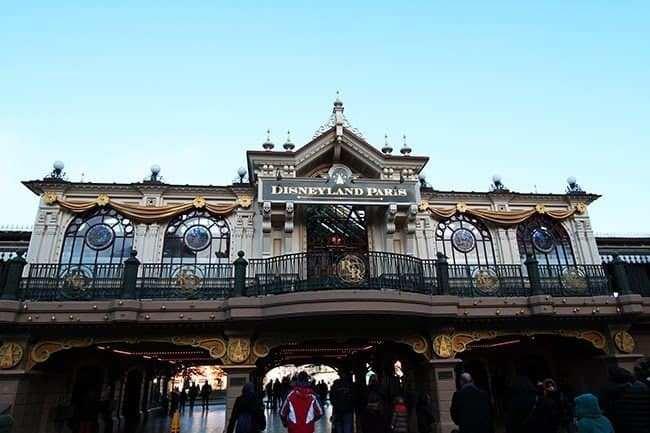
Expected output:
(464, 239)
(102, 236)
(546, 239)
(197, 237)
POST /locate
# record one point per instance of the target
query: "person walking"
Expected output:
(174, 400)
(529, 410)
(342, 399)
(626, 402)
(192, 394)
(400, 419)
(589, 417)
(183, 400)
(470, 408)
(424, 414)
(247, 414)
(301, 408)
(206, 390)
(374, 418)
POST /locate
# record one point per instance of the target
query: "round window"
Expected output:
(197, 238)
(543, 240)
(463, 240)
(99, 236)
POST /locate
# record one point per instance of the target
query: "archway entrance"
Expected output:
(497, 363)
(377, 369)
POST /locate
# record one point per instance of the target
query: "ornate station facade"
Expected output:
(335, 252)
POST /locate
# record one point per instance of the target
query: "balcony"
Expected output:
(304, 272)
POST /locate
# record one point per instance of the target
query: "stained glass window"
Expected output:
(546, 239)
(465, 240)
(102, 236)
(197, 237)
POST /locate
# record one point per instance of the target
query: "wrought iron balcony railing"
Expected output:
(315, 271)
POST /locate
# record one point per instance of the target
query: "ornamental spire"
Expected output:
(268, 144)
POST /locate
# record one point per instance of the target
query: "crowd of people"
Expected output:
(178, 399)
(300, 403)
(622, 406)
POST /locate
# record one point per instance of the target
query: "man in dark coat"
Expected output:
(470, 408)
(247, 412)
(626, 402)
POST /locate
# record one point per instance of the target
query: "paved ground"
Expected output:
(213, 422)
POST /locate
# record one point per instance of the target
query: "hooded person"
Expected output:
(247, 413)
(626, 402)
(301, 409)
(590, 418)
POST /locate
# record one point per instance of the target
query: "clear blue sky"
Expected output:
(533, 90)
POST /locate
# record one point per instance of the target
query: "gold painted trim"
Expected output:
(460, 340)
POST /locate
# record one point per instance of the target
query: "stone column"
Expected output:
(238, 375)
(444, 378)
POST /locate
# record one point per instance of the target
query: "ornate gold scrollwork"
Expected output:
(418, 344)
(460, 340)
(42, 351)
(461, 207)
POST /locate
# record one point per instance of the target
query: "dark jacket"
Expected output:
(400, 420)
(471, 410)
(626, 403)
(248, 402)
(529, 412)
(590, 418)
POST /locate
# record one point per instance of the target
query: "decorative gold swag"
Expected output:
(147, 214)
(503, 217)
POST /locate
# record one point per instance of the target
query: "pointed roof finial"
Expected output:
(288, 145)
(387, 148)
(268, 144)
(337, 101)
(405, 150)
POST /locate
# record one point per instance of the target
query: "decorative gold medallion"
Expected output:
(187, 281)
(102, 200)
(442, 346)
(624, 342)
(245, 201)
(238, 349)
(351, 269)
(424, 205)
(10, 355)
(573, 279)
(198, 202)
(461, 207)
(486, 279)
(50, 198)
(581, 208)
(540, 208)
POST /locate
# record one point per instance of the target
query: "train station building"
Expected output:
(335, 252)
